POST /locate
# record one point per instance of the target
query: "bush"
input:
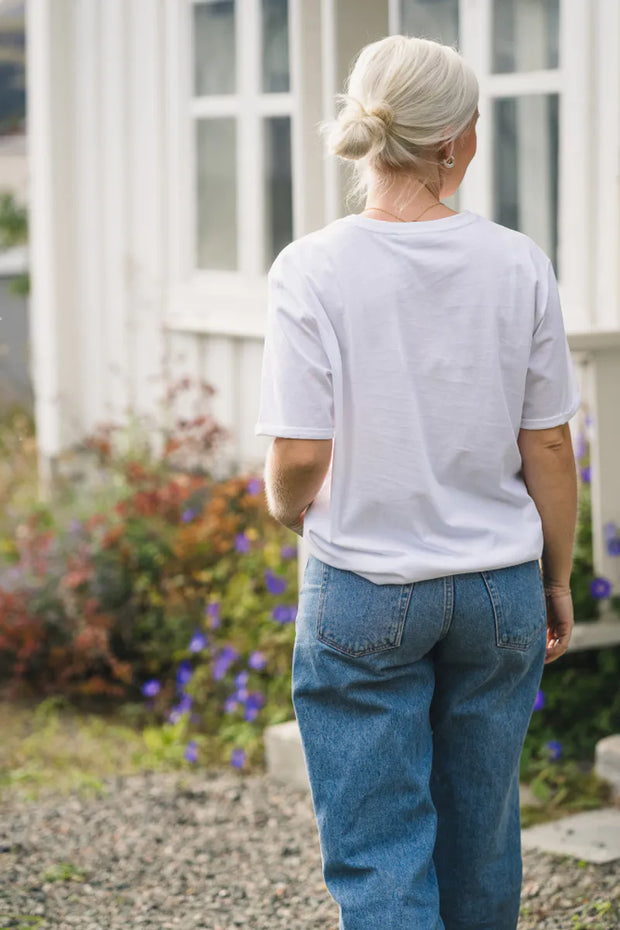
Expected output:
(579, 703)
(172, 583)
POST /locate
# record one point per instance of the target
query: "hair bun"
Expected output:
(382, 111)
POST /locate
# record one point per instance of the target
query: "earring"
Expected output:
(449, 162)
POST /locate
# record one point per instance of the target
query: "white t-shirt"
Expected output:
(421, 348)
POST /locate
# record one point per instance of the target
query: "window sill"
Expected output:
(231, 310)
(593, 340)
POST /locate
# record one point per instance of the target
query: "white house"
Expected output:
(173, 152)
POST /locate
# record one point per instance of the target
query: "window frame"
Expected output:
(571, 80)
(210, 300)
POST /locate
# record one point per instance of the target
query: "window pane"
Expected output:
(431, 19)
(525, 163)
(278, 186)
(214, 47)
(216, 171)
(276, 76)
(525, 35)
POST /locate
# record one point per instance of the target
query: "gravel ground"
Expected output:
(217, 850)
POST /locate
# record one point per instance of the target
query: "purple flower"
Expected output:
(555, 749)
(224, 661)
(191, 752)
(220, 667)
(230, 704)
(257, 661)
(283, 614)
(213, 613)
(288, 552)
(242, 543)
(253, 704)
(184, 674)
(75, 526)
(589, 419)
(613, 546)
(198, 642)
(254, 486)
(275, 584)
(188, 515)
(185, 704)
(539, 703)
(151, 688)
(237, 758)
(600, 587)
(586, 474)
(609, 531)
(241, 680)
(280, 613)
(183, 707)
(581, 446)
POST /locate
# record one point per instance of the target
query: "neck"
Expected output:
(405, 201)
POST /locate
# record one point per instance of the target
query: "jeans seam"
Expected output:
(496, 606)
(448, 584)
(321, 603)
(405, 598)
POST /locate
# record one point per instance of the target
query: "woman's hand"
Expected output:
(560, 621)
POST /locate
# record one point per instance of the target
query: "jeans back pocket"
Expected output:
(357, 616)
(519, 604)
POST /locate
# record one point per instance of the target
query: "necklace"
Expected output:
(438, 202)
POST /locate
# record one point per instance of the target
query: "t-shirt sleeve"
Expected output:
(296, 396)
(552, 394)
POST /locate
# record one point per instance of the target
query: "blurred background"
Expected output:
(15, 380)
(155, 156)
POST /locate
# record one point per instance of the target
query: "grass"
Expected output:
(51, 748)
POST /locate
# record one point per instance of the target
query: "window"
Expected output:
(525, 43)
(525, 166)
(525, 35)
(241, 135)
(513, 47)
(431, 19)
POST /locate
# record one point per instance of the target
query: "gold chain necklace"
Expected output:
(437, 203)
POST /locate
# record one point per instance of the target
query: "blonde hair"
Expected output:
(406, 98)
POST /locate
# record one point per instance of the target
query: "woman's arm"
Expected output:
(550, 475)
(295, 470)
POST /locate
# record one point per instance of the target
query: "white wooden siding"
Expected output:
(231, 366)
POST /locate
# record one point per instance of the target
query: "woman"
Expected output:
(418, 381)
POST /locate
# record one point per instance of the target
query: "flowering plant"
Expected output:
(588, 588)
(168, 591)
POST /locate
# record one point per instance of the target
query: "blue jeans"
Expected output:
(413, 702)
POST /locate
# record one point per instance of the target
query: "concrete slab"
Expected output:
(591, 835)
(607, 762)
(284, 758)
